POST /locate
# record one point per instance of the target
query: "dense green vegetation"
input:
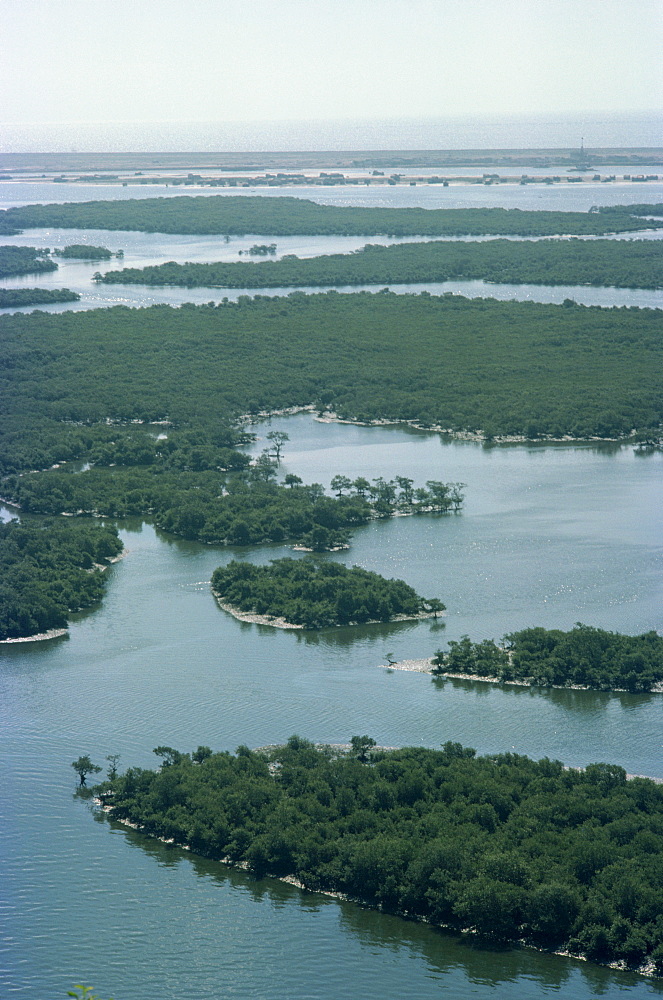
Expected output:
(24, 260)
(508, 847)
(503, 367)
(84, 251)
(48, 570)
(17, 297)
(210, 494)
(585, 656)
(315, 594)
(655, 210)
(632, 264)
(239, 215)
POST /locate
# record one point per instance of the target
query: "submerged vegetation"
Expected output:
(49, 570)
(282, 216)
(316, 594)
(626, 264)
(584, 657)
(504, 846)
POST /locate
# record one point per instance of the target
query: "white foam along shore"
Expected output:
(275, 622)
(52, 633)
(425, 666)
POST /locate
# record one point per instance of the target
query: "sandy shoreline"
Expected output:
(52, 633)
(329, 417)
(249, 616)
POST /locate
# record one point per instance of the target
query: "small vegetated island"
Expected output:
(585, 657)
(49, 570)
(506, 847)
(238, 215)
(86, 251)
(24, 260)
(18, 297)
(309, 593)
(620, 263)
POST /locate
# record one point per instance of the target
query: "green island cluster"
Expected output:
(143, 411)
(15, 260)
(583, 657)
(49, 570)
(316, 594)
(621, 263)
(239, 215)
(510, 848)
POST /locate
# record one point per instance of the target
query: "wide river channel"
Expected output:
(549, 535)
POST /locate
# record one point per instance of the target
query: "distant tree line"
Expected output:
(316, 594)
(625, 264)
(282, 216)
(504, 846)
(49, 570)
(586, 657)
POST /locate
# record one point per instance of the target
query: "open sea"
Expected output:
(551, 131)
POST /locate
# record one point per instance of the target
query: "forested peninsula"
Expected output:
(49, 570)
(24, 260)
(632, 264)
(585, 657)
(233, 215)
(506, 847)
(19, 297)
(315, 594)
(243, 505)
(499, 368)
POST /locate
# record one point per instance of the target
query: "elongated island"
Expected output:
(496, 846)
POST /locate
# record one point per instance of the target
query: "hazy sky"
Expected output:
(238, 60)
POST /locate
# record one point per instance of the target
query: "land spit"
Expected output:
(425, 666)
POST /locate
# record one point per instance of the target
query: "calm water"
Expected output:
(446, 132)
(147, 249)
(564, 198)
(548, 535)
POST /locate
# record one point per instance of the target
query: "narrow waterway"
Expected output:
(149, 249)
